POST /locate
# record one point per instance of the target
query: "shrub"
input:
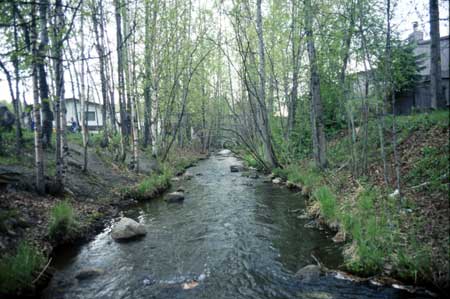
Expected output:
(62, 220)
(17, 271)
(327, 201)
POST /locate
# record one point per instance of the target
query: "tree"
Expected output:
(97, 8)
(435, 55)
(265, 130)
(120, 73)
(317, 126)
(47, 114)
(38, 151)
(61, 147)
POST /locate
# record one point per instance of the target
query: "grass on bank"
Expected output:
(63, 223)
(384, 234)
(18, 271)
(151, 185)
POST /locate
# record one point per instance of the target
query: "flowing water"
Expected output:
(236, 236)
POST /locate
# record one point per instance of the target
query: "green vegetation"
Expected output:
(431, 170)
(151, 186)
(18, 271)
(385, 233)
(327, 201)
(62, 221)
(305, 175)
(250, 161)
(5, 215)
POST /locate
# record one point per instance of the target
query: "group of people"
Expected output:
(74, 127)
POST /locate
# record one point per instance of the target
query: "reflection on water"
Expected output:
(233, 235)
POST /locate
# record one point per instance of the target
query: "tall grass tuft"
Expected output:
(151, 186)
(18, 271)
(62, 220)
(327, 201)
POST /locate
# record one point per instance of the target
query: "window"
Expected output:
(90, 115)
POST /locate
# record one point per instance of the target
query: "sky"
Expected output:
(405, 14)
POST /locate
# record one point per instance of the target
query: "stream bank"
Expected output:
(95, 198)
(232, 237)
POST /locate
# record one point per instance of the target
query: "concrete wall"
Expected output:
(423, 48)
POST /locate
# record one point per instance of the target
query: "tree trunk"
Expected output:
(59, 78)
(121, 89)
(98, 11)
(84, 106)
(47, 115)
(265, 130)
(391, 90)
(16, 101)
(148, 72)
(435, 57)
(318, 130)
(38, 151)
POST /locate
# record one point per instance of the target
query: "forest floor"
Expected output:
(386, 234)
(95, 196)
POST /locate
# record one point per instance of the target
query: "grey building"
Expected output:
(418, 98)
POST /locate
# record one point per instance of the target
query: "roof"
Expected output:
(89, 102)
(424, 42)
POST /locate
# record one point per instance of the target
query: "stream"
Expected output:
(236, 236)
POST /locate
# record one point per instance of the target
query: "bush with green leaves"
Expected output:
(18, 271)
(62, 221)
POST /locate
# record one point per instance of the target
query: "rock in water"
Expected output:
(174, 197)
(236, 168)
(88, 273)
(127, 228)
(276, 181)
(308, 273)
(224, 152)
(339, 237)
(187, 175)
(189, 285)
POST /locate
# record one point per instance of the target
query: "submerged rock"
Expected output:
(309, 273)
(236, 168)
(127, 228)
(303, 216)
(174, 197)
(89, 273)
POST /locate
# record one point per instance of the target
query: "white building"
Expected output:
(93, 114)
